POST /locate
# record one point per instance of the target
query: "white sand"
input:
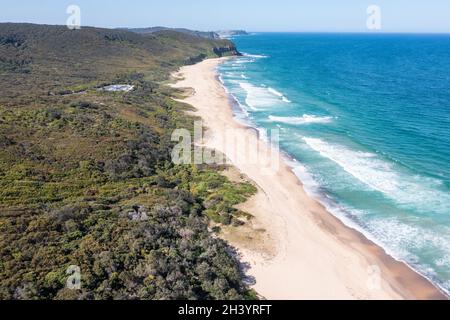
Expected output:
(294, 247)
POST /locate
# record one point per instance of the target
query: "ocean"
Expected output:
(364, 120)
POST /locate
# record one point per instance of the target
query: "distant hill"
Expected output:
(231, 33)
(202, 34)
(223, 34)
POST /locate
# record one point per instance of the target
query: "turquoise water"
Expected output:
(366, 121)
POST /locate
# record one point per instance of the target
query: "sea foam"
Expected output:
(262, 97)
(400, 238)
(412, 192)
(257, 56)
(306, 119)
(402, 206)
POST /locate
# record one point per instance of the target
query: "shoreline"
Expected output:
(294, 247)
(321, 198)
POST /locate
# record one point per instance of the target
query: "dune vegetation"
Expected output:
(86, 177)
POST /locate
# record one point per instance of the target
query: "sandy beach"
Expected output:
(293, 247)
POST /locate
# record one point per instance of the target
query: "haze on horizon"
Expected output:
(415, 16)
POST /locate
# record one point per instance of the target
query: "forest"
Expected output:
(86, 177)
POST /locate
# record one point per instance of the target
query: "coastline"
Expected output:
(294, 247)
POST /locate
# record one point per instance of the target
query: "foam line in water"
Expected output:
(242, 61)
(395, 236)
(404, 240)
(409, 191)
(278, 94)
(258, 56)
(306, 119)
(261, 97)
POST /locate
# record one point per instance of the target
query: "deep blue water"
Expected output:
(367, 120)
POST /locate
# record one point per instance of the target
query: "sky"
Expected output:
(428, 16)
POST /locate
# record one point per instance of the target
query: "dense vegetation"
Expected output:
(86, 177)
(208, 34)
(203, 34)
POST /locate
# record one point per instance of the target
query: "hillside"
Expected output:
(62, 57)
(86, 176)
(221, 34)
(202, 34)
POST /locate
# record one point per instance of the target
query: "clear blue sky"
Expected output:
(252, 15)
